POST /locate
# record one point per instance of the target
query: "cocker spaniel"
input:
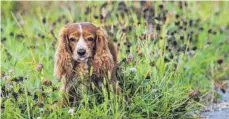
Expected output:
(85, 55)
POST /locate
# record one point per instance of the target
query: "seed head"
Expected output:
(39, 67)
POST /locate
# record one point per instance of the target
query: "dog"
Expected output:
(85, 55)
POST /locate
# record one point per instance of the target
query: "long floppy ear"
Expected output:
(103, 60)
(63, 61)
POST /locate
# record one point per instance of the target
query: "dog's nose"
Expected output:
(81, 52)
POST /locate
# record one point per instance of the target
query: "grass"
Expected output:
(162, 69)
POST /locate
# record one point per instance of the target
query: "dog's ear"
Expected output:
(103, 60)
(101, 41)
(63, 61)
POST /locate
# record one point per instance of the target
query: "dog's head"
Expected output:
(79, 42)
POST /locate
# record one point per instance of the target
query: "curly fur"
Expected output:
(63, 60)
(103, 60)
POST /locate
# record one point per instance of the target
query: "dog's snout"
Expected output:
(81, 52)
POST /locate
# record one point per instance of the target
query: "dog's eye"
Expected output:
(91, 39)
(72, 39)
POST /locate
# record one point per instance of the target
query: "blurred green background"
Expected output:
(172, 54)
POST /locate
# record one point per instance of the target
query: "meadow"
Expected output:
(173, 56)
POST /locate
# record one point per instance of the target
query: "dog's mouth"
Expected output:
(82, 59)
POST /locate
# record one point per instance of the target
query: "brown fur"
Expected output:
(103, 60)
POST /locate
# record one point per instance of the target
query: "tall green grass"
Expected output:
(151, 86)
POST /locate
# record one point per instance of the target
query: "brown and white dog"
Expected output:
(84, 48)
